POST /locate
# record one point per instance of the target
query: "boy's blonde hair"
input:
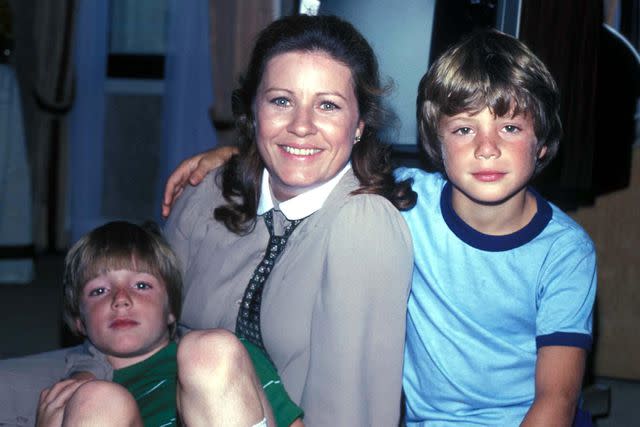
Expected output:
(120, 245)
(494, 70)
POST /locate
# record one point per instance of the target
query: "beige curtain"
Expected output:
(234, 26)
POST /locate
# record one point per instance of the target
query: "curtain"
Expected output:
(188, 95)
(87, 119)
(566, 36)
(15, 185)
(53, 95)
(188, 87)
(599, 85)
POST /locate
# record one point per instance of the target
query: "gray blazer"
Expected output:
(333, 308)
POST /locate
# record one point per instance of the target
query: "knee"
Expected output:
(211, 357)
(97, 401)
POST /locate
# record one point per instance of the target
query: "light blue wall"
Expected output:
(400, 34)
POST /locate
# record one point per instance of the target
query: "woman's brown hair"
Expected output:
(370, 159)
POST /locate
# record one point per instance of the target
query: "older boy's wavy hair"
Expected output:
(120, 245)
(494, 70)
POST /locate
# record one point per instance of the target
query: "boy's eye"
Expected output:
(511, 129)
(280, 101)
(462, 131)
(328, 106)
(142, 285)
(97, 291)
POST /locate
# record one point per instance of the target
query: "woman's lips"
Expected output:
(488, 176)
(123, 323)
(300, 151)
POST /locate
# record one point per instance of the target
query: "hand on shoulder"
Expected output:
(192, 171)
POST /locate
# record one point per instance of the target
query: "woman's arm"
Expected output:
(192, 171)
(358, 323)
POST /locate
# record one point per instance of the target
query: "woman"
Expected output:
(331, 313)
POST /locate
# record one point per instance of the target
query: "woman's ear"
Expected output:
(359, 132)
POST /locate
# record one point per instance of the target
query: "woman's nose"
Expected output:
(486, 147)
(302, 122)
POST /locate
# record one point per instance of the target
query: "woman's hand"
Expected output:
(53, 402)
(192, 171)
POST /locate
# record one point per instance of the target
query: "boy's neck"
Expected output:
(124, 361)
(506, 217)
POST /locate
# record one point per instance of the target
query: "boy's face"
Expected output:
(126, 315)
(489, 160)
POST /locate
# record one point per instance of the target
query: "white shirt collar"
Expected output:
(303, 204)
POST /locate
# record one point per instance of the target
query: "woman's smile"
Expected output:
(300, 151)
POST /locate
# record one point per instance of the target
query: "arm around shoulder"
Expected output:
(192, 171)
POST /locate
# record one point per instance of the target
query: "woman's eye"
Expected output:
(280, 101)
(328, 106)
(142, 285)
(97, 291)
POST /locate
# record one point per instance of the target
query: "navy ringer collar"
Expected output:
(486, 242)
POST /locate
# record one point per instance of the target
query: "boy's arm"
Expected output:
(192, 171)
(559, 371)
(53, 401)
(83, 363)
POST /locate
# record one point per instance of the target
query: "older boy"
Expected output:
(500, 312)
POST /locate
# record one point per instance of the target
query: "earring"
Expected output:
(356, 139)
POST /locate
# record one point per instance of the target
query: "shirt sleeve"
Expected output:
(567, 294)
(358, 322)
(87, 358)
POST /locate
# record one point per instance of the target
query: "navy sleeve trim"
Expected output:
(570, 339)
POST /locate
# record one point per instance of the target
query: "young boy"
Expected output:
(500, 311)
(122, 291)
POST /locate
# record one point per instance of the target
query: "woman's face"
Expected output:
(306, 120)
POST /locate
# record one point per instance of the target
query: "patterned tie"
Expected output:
(248, 321)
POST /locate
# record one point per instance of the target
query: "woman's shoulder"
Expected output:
(208, 188)
(343, 204)
(361, 230)
(367, 206)
(361, 214)
(195, 205)
(204, 196)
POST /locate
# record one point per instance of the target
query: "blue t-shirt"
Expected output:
(480, 307)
